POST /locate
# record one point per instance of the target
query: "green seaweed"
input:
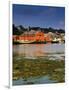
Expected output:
(26, 68)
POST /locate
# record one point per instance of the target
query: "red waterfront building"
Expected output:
(38, 36)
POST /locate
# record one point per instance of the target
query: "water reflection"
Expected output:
(35, 50)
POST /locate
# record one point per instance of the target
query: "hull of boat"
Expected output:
(55, 42)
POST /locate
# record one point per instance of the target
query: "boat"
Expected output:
(55, 40)
(25, 41)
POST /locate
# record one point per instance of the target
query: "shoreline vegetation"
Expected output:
(26, 68)
(18, 30)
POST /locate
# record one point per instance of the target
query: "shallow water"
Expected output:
(35, 80)
(39, 50)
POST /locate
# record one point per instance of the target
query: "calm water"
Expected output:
(52, 51)
(39, 50)
(35, 80)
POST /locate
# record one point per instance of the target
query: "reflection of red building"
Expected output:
(38, 36)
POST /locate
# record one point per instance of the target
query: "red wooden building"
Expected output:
(38, 36)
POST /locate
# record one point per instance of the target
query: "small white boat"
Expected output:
(26, 41)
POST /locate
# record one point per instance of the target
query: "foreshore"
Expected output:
(26, 68)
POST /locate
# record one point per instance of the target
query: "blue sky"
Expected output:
(39, 16)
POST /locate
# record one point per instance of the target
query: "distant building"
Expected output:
(37, 36)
